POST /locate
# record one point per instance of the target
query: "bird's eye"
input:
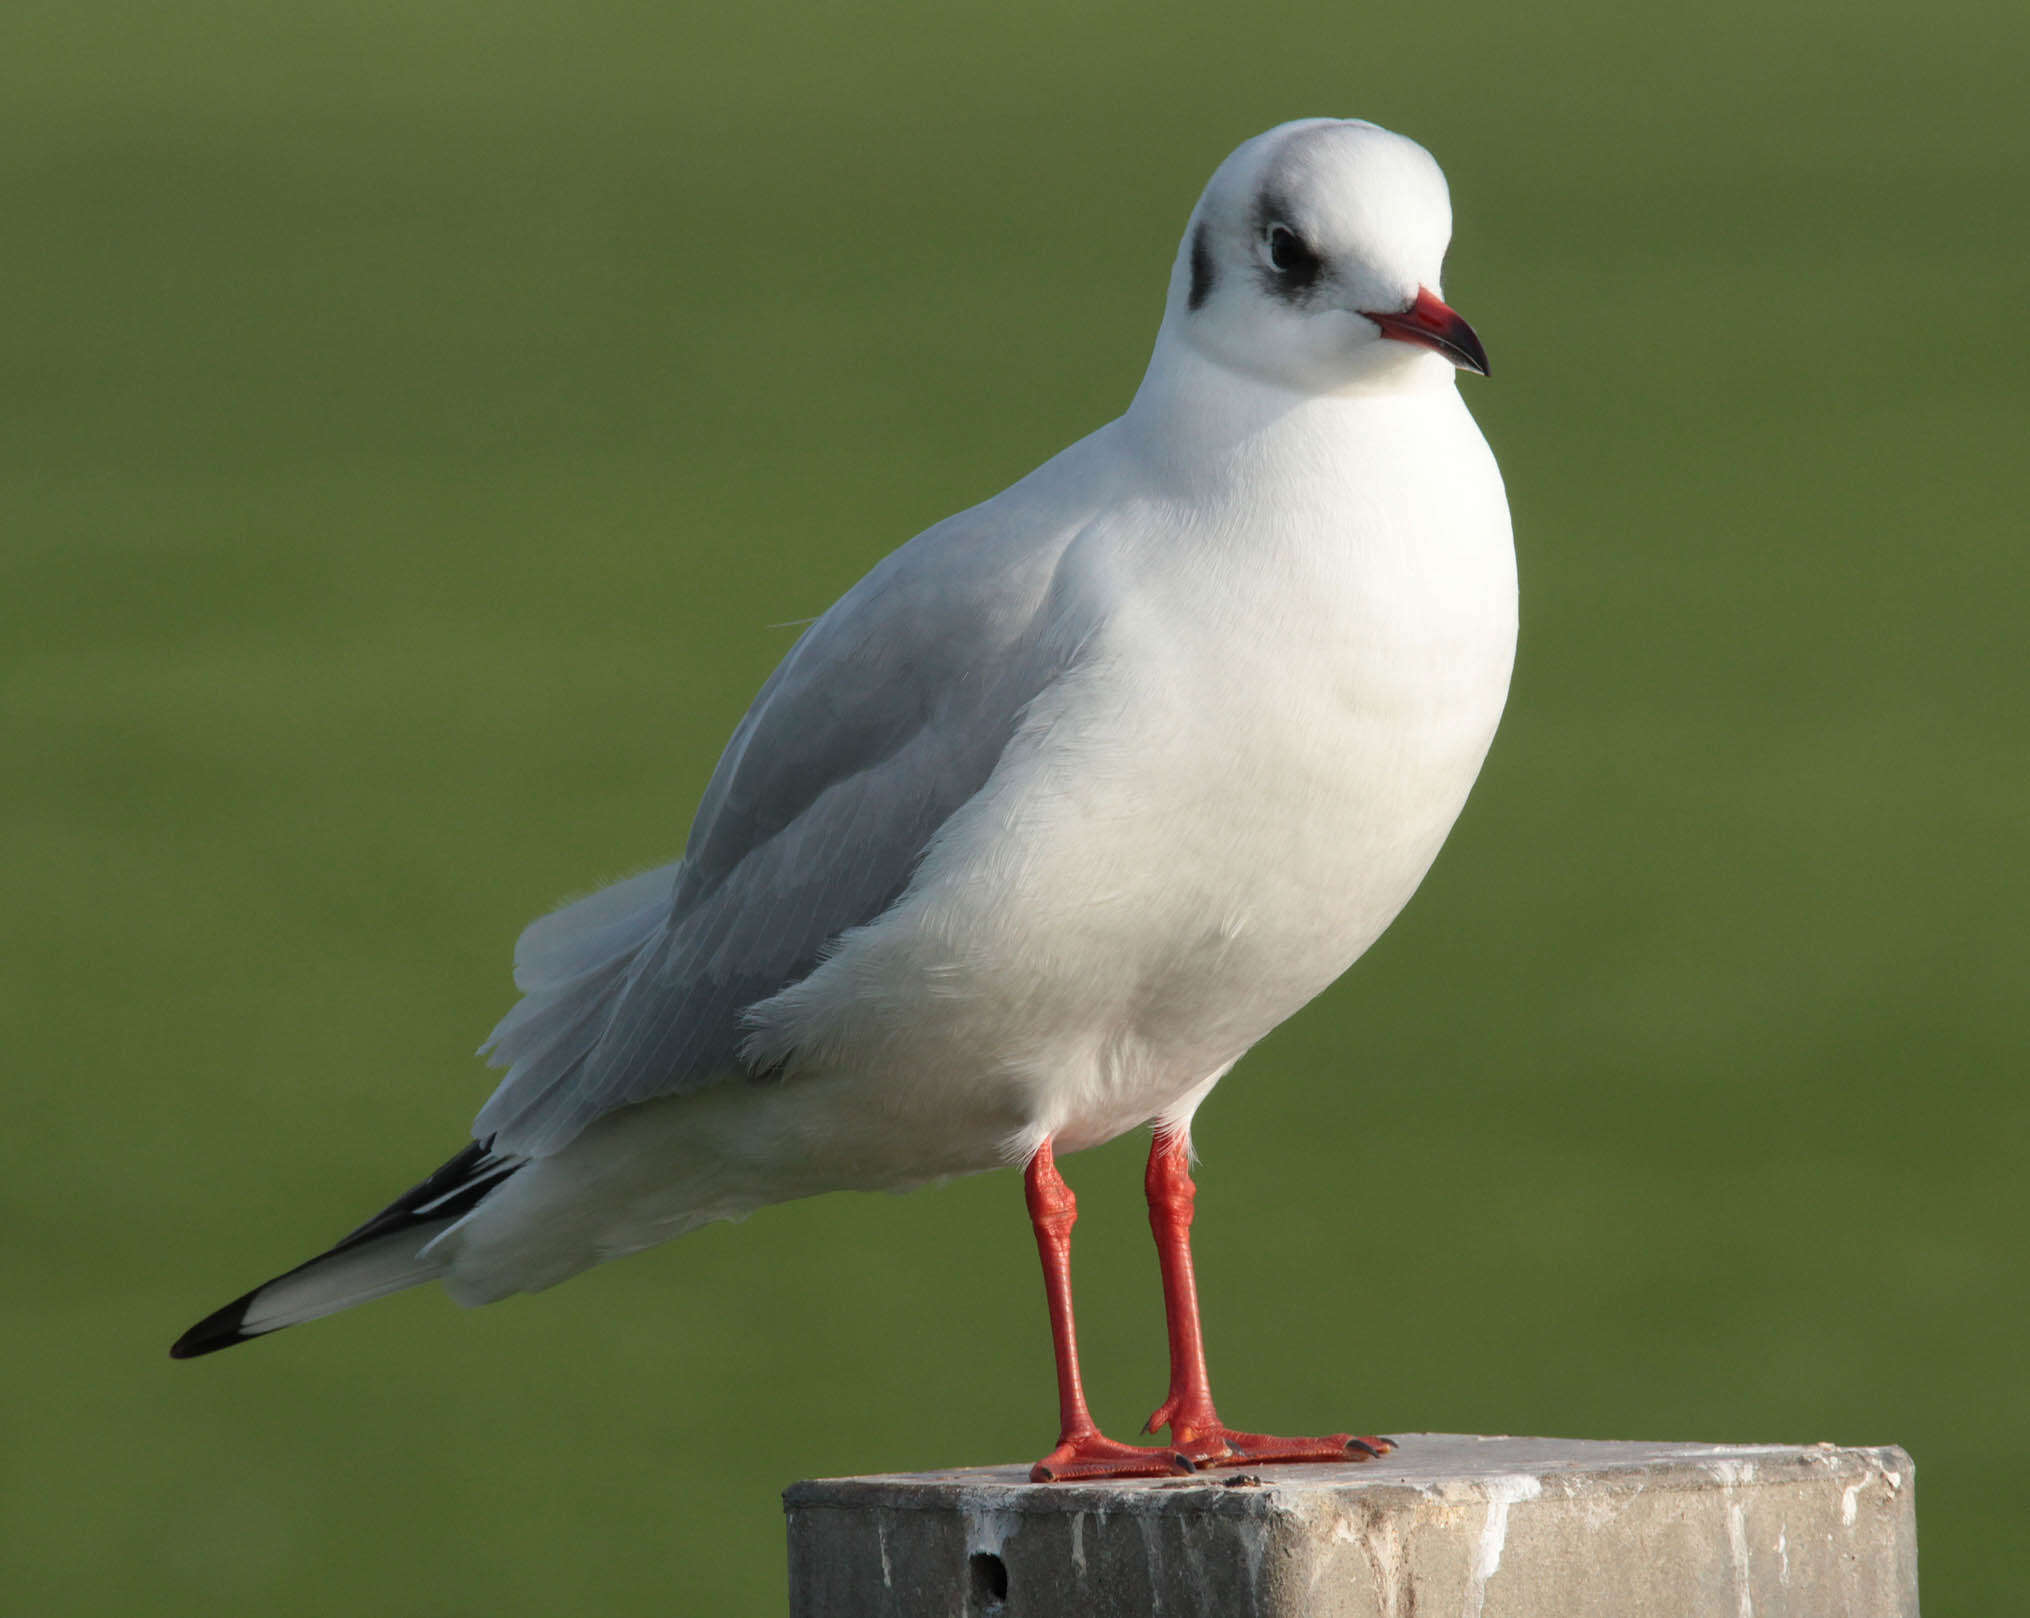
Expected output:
(1288, 252)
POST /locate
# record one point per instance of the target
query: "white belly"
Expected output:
(1206, 823)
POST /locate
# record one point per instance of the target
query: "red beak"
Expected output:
(1429, 324)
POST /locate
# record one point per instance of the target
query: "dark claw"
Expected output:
(1373, 1448)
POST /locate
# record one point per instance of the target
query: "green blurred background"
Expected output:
(418, 419)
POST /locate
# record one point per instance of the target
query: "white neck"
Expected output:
(1195, 418)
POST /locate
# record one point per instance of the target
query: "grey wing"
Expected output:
(889, 713)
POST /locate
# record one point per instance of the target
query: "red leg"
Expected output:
(1083, 1451)
(1188, 1411)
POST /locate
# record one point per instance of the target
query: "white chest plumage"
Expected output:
(1166, 866)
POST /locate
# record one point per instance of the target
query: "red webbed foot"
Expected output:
(1210, 1442)
(1094, 1455)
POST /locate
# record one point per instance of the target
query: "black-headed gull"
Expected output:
(1060, 809)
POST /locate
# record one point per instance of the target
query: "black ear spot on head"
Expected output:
(1201, 268)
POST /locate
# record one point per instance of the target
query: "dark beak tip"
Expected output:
(1429, 323)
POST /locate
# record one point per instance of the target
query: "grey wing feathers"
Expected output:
(889, 713)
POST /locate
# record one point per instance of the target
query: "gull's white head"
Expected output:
(1312, 261)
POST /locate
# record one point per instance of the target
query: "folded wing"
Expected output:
(889, 713)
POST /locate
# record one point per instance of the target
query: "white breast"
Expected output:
(1274, 726)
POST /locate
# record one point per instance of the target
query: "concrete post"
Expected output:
(1449, 1524)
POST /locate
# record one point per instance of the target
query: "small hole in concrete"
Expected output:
(990, 1580)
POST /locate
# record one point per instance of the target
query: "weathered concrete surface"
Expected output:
(1449, 1524)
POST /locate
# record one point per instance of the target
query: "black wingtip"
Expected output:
(220, 1329)
(446, 1196)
